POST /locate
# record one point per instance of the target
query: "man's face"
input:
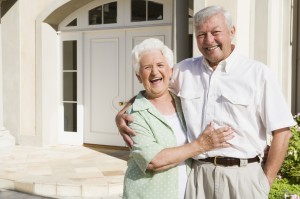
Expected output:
(214, 39)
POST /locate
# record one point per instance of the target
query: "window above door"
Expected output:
(103, 14)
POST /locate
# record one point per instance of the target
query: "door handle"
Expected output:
(122, 103)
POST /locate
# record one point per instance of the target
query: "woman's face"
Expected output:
(154, 73)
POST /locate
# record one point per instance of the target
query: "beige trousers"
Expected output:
(208, 181)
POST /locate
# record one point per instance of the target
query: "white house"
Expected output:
(66, 64)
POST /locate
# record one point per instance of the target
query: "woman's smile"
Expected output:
(154, 73)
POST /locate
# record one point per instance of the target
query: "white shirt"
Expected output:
(181, 139)
(241, 93)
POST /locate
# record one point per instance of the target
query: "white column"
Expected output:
(181, 30)
(198, 5)
(7, 141)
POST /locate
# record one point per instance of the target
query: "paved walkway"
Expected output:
(9, 194)
(65, 172)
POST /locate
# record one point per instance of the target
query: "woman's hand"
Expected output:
(210, 139)
(214, 138)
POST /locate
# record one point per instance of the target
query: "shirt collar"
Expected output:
(140, 102)
(224, 66)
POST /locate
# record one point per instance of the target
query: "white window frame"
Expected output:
(123, 16)
(72, 137)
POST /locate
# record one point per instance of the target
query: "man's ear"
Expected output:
(232, 32)
(139, 78)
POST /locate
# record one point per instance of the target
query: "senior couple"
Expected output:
(230, 103)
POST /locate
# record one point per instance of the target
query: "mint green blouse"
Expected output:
(153, 135)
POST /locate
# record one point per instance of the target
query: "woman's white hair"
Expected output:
(148, 45)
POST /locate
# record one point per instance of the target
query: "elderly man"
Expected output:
(228, 89)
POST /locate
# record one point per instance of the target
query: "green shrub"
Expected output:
(288, 181)
(290, 168)
(282, 188)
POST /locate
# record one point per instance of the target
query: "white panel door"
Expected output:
(109, 80)
(104, 85)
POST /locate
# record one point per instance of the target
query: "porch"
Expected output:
(64, 171)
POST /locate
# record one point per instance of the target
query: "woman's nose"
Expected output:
(154, 70)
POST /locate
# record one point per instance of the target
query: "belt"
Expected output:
(228, 161)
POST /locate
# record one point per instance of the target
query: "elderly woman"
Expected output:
(157, 167)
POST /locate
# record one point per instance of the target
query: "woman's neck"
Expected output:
(165, 103)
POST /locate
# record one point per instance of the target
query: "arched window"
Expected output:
(146, 10)
(72, 23)
(105, 14)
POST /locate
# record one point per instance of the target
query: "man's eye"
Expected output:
(215, 32)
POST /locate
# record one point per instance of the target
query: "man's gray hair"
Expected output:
(148, 45)
(201, 16)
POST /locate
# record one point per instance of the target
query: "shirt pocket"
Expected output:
(236, 106)
(236, 100)
(190, 94)
(192, 105)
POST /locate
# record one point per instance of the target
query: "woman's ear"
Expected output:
(139, 78)
(171, 72)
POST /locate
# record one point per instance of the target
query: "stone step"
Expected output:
(62, 171)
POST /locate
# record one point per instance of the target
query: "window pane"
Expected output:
(138, 10)
(110, 13)
(70, 117)
(73, 23)
(69, 55)
(70, 86)
(95, 16)
(155, 11)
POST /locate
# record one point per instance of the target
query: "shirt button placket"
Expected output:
(210, 98)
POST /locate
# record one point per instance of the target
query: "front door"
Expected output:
(104, 85)
(109, 80)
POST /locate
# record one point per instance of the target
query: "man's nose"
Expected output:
(209, 38)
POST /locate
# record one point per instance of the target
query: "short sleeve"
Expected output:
(145, 146)
(274, 110)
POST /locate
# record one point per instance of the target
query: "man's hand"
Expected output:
(277, 153)
(122, 119)
(266, 153)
